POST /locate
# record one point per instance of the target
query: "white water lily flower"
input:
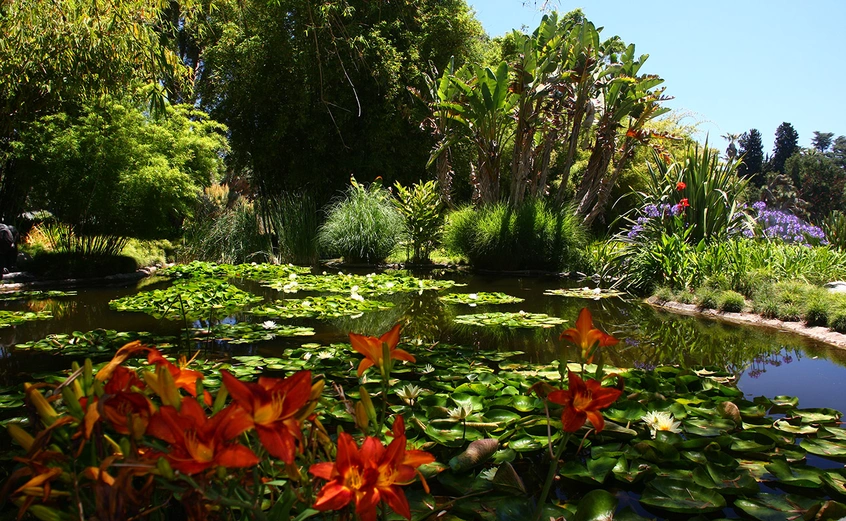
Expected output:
(409, 393)
(292, 276)
(460, 413)
(428, 368)
(306, 303)
(389, 284)
(269, 324)
(473, 296)
(661, 421)
(356, 296)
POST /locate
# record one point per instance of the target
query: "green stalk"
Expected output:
(553, 469)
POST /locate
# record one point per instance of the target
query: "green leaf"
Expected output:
(681, 497)
(597, 505)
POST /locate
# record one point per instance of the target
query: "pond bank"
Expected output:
(822, 334)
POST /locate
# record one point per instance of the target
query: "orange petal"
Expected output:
(400, 354)
(596, 420)
(391, 337)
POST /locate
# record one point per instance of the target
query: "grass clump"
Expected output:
(837, 319)
(816, 312)
(535, 235)
(706, 298)
(664, 294)
(789, 312)
(731, 301)
(361, 227)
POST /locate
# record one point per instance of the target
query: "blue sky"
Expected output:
(732, 65)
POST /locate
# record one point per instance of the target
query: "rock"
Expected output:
(837, 286)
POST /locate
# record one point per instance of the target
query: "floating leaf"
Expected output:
(597, 505)
(330, 306)
(14, 318)
(771, 507)
(480, 298)
(511, 320)
(591, 293)
(681, 497)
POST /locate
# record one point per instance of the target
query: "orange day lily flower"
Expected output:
(583, 401)
(370, 474)
(183, 378)
(198, 443)
(273, 405)
(586, 336)
(371, 348)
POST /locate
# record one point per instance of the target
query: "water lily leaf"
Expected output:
(510, 320)
(702, 427)
(835, 481)
(682, 497)
(832, 448)
(794, 426)
(480, 298)
(501, 416)
(794, 475)
(453, 436)
(729, 482)
(819, 415)
(656, 451)
(524, 403)
(322, 307)
(775, 507)
(463, 484)
(589, 293)
(597, 505)
(715, 457)
(189, 299)
(14, 318)
(751, 441)
(507, 480)
(630, 473)
(525, 444)
(625, 411)
(832, 432)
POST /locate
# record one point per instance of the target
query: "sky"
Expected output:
(730, 65)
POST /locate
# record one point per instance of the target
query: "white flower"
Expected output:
(356, 296)
(661, 421)
(473, 296)
(460, 413)
(389, 284)
(269, 324)
(428, 368)
(409, 393)
(292, 276)
(306, 303)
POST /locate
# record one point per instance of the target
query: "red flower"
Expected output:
(273, 405)
(582, 401)
(586, 336)
(680, 186)
(682, 204)
(198, 443)
(371, 348)
(370, 474)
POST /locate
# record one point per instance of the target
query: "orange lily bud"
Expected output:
(220, 398)
(21, 437)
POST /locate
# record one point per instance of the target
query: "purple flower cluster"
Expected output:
(653, 211)
(775, 224)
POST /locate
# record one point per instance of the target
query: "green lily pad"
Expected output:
(510, 320)
(681, 497)
(14, 318)
(775, 507)
(794, 475)
(597, 505)
(729, 482)
(35, 295)
(330, 306)
(820, 415)
(482, 297)
(590, 293)
(189, 299)
(386, 283)
(833, 448)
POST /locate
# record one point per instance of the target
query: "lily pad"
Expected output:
(188, 299)
(510, 320)
(480, 298)
(591, 293)
(375, 283)
(829, 448)
(772, 507)
(681, 497)
(330, 306)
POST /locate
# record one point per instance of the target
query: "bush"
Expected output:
(363, 226)
(295, 222)
(837, 319)
(731, 301)
(664, 294)
(149, 253)
(834, 226)
(230, 234)
(816, 312)
(789, 312)
(534, 235)
(706, 298)
(422, 210)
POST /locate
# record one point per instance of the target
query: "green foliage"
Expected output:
(112, 170)
(14, 318)
(785, 145)
(363, 226)
(834, 226)
(837, 320)
(510, 320)
(257, 272)
(323, 307)
(707, 298)
(535, 235)
(752, 157)
(731, 301)
(312, 92)
(150, 253)
(65, 265)
(295, 221)
(421, 207)
(386, 283)
(225, 232)
(817, 311)
(188, 299)
(481, 298)
(820, 182)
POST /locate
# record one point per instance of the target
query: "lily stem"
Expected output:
(550, 477)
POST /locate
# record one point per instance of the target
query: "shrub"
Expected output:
(149, 253)
(731, 301)
(767, 308)
(664, 294)
(837, 319)
(686, 296)
(834, 226)
(421, 207)
(816, 311)
(229, 235)
(535, 235)
(363, 226)
(706, 298)
(789, 312)
(295, 222)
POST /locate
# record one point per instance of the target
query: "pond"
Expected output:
(765, 361)
(763, 454)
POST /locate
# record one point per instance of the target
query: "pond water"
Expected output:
(765, 361)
